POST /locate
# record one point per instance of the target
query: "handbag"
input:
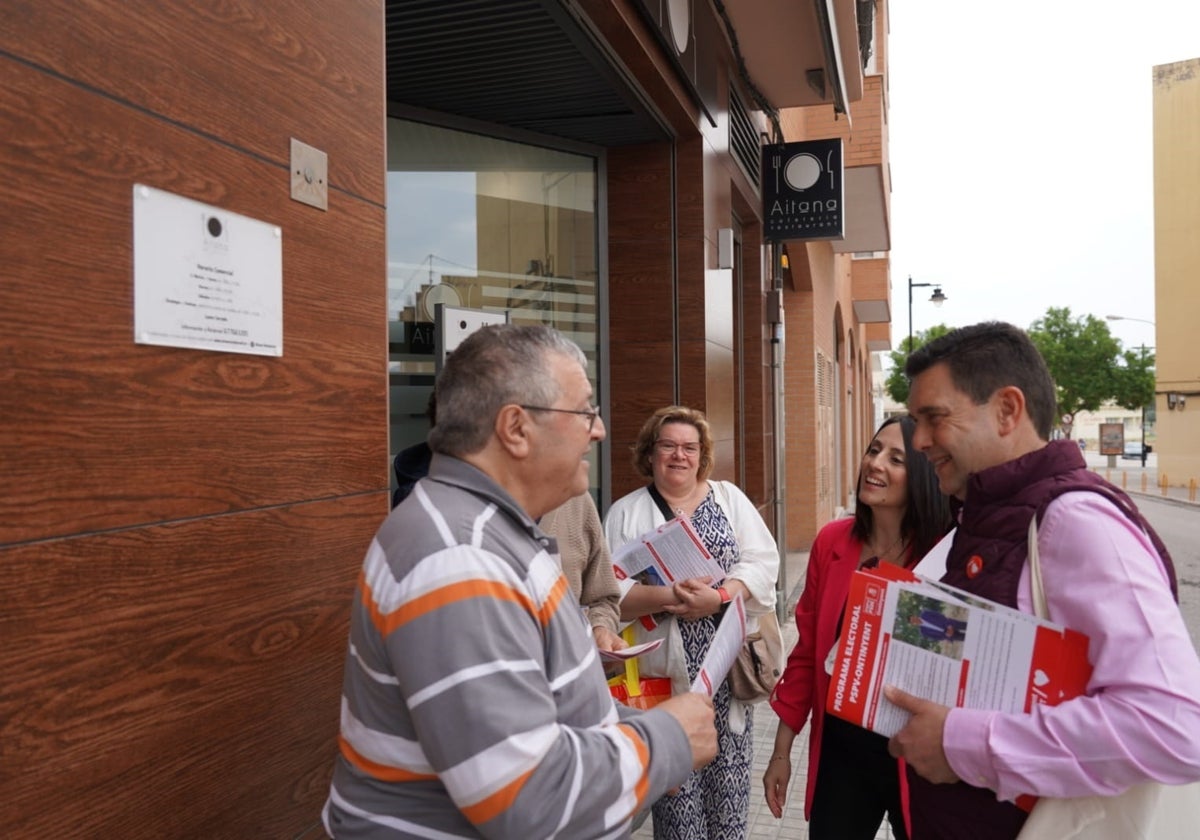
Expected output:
(1149, 811)
(759, 662)
(632, 689)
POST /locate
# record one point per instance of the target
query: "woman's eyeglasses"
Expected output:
(668, 447)
(591, 414)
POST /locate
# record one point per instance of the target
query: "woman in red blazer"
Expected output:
(899, 515)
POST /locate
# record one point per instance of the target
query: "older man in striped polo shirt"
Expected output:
(474, 703)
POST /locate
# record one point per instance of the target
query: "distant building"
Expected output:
(1177, 267)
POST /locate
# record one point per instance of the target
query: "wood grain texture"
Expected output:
(180, 680)
(647, 382)
(755, 368)
(639, 192)
(180, 530)
(691, 187)
(102, 433)
(641, 270)
(248, 74)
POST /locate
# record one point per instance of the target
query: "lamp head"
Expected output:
(937, 298)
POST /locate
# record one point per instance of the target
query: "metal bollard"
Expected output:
(1162, 482)
(1124, 480)
(1143, 482)
(1192, 490)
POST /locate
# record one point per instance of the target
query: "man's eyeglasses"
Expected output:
(668, 447)
(591, 413)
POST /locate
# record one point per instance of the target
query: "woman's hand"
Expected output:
(696, 597)
(776, 779)
(778, 774)
(642, 600)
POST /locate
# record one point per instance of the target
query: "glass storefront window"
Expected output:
(483, 223)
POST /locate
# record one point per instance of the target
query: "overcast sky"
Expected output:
(1021, 157)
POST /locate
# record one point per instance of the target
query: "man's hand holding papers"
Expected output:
(920, 742)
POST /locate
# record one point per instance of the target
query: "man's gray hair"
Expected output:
(495, 366)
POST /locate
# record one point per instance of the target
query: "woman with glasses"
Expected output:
(899, 516)
(674, 450)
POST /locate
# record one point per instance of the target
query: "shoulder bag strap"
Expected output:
(663, 507)
(1035, 573)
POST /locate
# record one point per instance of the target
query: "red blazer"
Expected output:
(802, 688)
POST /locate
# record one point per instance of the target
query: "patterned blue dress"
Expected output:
(713, 802)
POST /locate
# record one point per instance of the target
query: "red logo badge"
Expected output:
(974, 566)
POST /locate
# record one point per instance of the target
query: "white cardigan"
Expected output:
(757, 568)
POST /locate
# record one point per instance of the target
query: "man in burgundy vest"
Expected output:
(985, 404)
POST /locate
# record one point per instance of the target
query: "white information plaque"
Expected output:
(204, 277)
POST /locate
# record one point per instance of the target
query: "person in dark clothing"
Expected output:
(412, 463)
(938, 627)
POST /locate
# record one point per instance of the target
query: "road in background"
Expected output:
(1179, 527)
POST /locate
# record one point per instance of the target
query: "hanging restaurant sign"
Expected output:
(802, 187)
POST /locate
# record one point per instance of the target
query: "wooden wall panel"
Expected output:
(180, 530)
(636, 402)
(691, 247)
(758, 422)
(104, 433)
(180, 680)
(250, 74)
(641, 339)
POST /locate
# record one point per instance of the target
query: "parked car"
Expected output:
(1133, 450)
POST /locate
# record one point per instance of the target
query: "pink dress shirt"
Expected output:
(1140, 719)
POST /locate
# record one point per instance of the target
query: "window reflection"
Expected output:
(488, 224)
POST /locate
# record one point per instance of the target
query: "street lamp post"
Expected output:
(937, 299)
(1143, 358)
(1127, 318)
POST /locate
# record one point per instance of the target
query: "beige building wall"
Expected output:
(1177, 267)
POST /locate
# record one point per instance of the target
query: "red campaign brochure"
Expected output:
(945, 645)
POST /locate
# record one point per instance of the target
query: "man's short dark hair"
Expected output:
(983, 358)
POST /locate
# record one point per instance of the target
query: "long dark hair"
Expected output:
(927, 515)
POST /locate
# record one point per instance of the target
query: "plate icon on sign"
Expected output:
(802, 171)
